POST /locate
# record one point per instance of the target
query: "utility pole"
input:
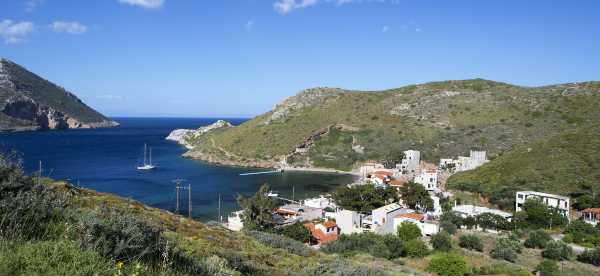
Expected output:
(190, 201)
(39, 180)
(177, 188)
(220, 217)
(293, 192)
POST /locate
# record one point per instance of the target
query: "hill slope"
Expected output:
(341, 128)
(28, 102)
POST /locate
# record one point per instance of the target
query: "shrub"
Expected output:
(506, 249)
(590, 257)
(341, 266)
(449, 227)
(296, 231)
(386, 246)
(408, 231)
(471, 242)
(441, 241)
(416, 248)
(537, 239)
(447, 265)
(581, 233)
(548, 268)
(50, 258)
(283, 242)
(118, 235)
(492, 221)
(557, 250)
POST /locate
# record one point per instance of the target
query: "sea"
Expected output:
(105, 160)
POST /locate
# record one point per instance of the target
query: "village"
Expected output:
(327, 220)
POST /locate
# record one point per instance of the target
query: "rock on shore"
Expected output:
(182, 136)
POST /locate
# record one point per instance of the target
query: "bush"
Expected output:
(386, 246)
(506, 249)
(537, 239)
(441, 242)
(340, 266)
(416, 249)
(548, 268)
(408, 231)
(557, 250)
(296, 231)
(590, 257)
(492, 221)
(447, 265)
(471, 242)
(583, 233)
(50, 258)
(283, 242)
(449, 227)
(118, 236)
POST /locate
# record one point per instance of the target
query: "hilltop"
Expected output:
(29, 102)
(337, 128)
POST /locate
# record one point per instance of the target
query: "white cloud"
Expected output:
(148, 4)
(249, 25)
(286, 6)
(15, 32)
(385, 29)
(31, 5)
(68, 27)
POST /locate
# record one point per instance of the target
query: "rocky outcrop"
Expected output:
(44, 117)
(304, 99)
(184, 136)
(29, 102)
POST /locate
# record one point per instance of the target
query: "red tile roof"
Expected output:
(398, 182)
(415, 216)
(329, 224)
(383, 173)
(592, 210)
(321, 237)
(285, 212)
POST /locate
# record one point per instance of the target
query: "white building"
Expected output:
(472, 211)
(234, 221)
(349, 222)
(291, 213)
(427, 227)
(464, 163)
(320, 202)
(410, 162)
(369, 167)
(429, 179)
(556, 201)
(382, 219)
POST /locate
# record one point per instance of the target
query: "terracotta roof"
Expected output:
(398, 182)
(592, 210)
(285, 212)
(415, 216)
(384, 173)
(321, 237)
(329, 224)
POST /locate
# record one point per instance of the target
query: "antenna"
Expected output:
(177, 188)
(220, 217)
(190, 201)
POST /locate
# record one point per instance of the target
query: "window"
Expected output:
(520, 196)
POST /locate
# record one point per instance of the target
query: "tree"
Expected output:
(449, 227)
(258, 210)
(364, 198)
(507, 248)
(416, 248)
(392, 158)
(537, 215)
(408, 231)
(557, 250)
(582, 232)
(492, 221)
(441, 242)
(296, 231)
(416, 197)
(548, 268)
(471, 242)
(537, 239)
(447, 264)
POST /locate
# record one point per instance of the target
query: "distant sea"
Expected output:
(105, 160)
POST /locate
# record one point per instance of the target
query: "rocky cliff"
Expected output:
(183, 136)
(29, 102)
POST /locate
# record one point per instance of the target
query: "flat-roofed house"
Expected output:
(556, 201)
(427, 227)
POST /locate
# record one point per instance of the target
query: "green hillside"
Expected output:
(26, 100)
(567, 163)
(441, 119)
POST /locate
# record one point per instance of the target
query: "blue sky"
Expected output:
(241, 57)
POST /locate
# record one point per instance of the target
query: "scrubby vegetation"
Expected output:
(364, 198)
(383, 246)
(471, 242)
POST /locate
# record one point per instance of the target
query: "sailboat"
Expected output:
(147, 165)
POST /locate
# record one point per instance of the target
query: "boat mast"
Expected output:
(150, 156)
(145, 145)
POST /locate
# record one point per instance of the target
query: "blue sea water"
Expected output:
(105, 160)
